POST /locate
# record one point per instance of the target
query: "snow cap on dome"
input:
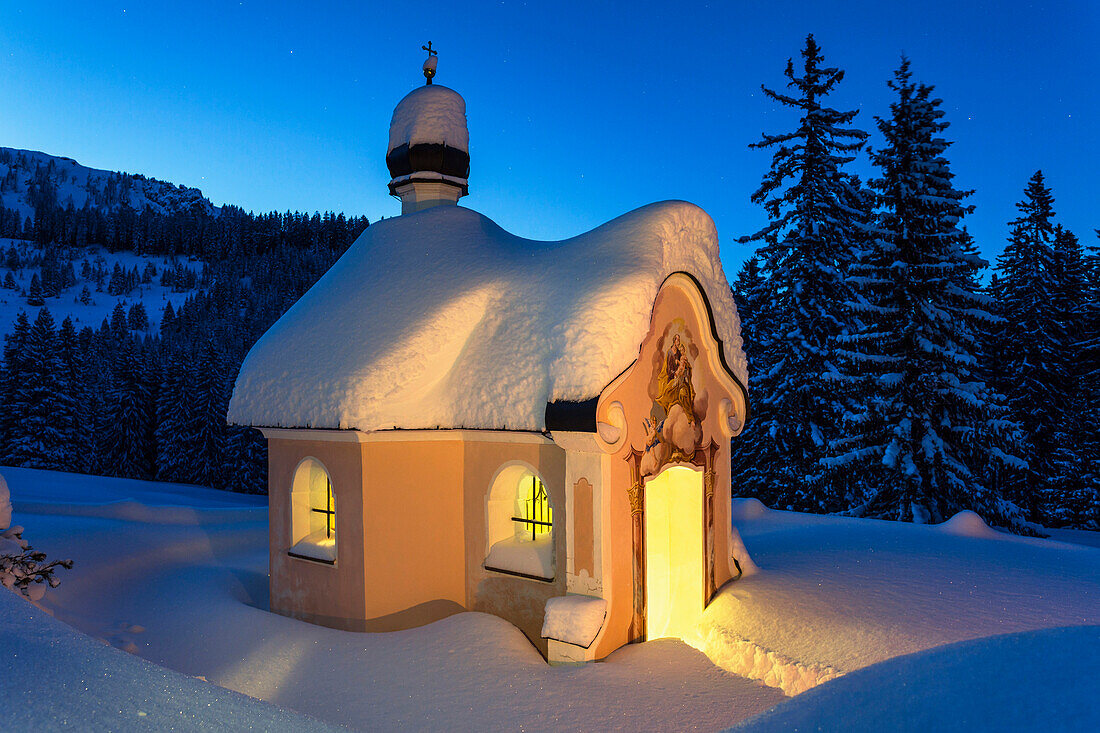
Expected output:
(431, 114)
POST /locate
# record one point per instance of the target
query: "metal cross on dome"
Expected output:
(429, 64)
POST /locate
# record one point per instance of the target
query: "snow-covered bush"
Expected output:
(23, 568)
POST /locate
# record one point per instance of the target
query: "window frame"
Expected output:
(507, 487)
(301, 517)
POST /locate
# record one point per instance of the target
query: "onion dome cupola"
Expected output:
(429, 150)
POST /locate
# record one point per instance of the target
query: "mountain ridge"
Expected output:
(31, 179)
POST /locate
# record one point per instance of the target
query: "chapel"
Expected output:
(461, 419)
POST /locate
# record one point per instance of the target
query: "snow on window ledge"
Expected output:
(574, 619)
(529, 558)
(315, 548)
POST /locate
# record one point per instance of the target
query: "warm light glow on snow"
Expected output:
(674, 553)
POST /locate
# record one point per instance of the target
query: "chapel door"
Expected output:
(674, 548)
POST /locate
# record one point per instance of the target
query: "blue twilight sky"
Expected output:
(578, 112)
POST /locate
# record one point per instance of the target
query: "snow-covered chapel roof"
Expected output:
(443, 319)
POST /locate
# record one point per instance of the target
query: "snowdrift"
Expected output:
(837, 594)
(836, 600)
(1036, 680)
(56, 677)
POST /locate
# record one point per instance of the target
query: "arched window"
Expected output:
(313, 513)
(534, 515)
(520, 525)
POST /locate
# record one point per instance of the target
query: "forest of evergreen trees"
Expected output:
(892, 376)
(118, 401)
(886, 380)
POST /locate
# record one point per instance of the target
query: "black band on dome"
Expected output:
(436, 157)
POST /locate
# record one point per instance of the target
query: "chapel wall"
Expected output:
(518, 600)
(326, 594)
(413, 522)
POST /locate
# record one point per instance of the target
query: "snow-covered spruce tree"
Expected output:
(42, 409)
(35, 296)
(120, 326)
(931, 424)
(211, 395)
(750, 296)
(173, 414)
(1028, 347)
(1067, 499)
(245, 460)
(1087, 510)
(126, 424)
(11, 376)
(137, 319)
(817, 216)
(74, 425)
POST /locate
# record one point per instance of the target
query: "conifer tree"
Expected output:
(1069, 493)
(246, 461)
(173, 419)
(931, 425)
(750, 295)
(817, 222)
(137, 319)
(35, 296)
(71, 380)
(42, 408)
(167, 320)
(1086, 507)
(127, 421)
(117, 284)
(11, 378)
(1027, 347)
(120, 326)
(211, 402)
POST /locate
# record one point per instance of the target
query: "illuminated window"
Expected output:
(324, 516)
(520, 525)
(313, 513)
(535, 517)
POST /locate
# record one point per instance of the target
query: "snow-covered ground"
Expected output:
(67, 303)
(836, 594)
(57, 678)
(1042, 680)
(178, 576)
(182, 582)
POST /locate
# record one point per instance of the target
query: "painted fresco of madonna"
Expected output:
(672, 428)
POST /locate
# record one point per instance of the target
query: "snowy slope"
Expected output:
(1041, 680)
(66, 303)
(192, 597)
(79, 185)
(57, 678)
(835, 594)
(443, 319)
(183, 583)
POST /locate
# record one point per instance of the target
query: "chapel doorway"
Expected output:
(674, 545)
